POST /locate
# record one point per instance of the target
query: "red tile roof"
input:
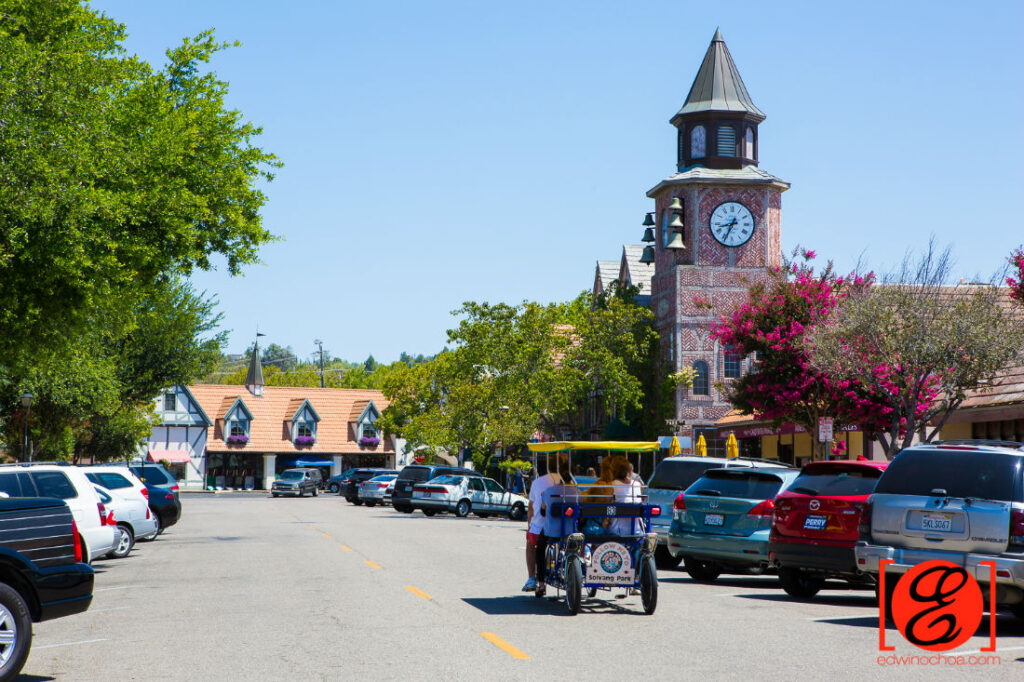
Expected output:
(268, 433)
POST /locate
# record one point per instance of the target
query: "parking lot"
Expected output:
(311, 588)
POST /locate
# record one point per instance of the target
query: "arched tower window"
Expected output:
(701, 383)
(750, 144)
(726, 140)
(698, 142)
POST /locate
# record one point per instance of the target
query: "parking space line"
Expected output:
(830, 618)
(372, 564)
(84, 641)
(347, 549)
(418, 592)
(107, 589)
(503, 645)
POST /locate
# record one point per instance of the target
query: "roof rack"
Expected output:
(1011, 444)
(766, 461)
(29, 464)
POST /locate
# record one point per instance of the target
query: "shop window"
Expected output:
(726, 140)
(701, 380)
(698, 142)
(170, 402)
(732, 365)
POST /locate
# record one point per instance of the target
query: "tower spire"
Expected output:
(718, 85)
(254, 378)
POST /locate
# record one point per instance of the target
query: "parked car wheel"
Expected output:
(357, 502)
(335, 488)
(702, 571)
(798, 583)
(371, 503)
(462, 509)
(482, 516)
(315, 491)
(15, 632)
(517, 512)
(649, 584)
(405, 510)
(159, 524)
(664, 560)
(890, 589)
(273, 494)
(85, 549)
(127, 541)
(1018, 610)
(573, 585)
(429, 512)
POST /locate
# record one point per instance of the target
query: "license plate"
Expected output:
(714, 520)
(408, 487)
(942, 522)
(815, 522)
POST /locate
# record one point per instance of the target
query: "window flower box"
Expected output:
(305, 440)
(238, 440)
(369, 441)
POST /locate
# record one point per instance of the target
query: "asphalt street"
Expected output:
(246, 586)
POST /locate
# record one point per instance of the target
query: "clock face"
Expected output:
(732, 224)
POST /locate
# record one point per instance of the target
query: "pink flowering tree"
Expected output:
(919, 345)
(1016, 280)
(784, 386)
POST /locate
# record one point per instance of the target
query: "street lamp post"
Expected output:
(26, 402)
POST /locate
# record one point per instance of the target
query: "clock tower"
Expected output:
(717, 226)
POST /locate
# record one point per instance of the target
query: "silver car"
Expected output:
(957, 501)
(376, 489)
(465, 494)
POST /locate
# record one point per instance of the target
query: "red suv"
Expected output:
(814, 528)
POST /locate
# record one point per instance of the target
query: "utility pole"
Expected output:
(320, 345)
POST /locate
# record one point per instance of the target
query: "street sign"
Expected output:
(825, 429)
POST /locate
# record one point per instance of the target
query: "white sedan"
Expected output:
(130, 512)
(465, 494)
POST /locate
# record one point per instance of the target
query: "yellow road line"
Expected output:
(503, 645)
(326, 536)
(418, 592)
(311, 527)
(372, 564)
(347, 549)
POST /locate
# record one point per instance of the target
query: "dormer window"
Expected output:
(237, 420)
(304, 422)
(240, 428)
(369, 431)
(304, 430)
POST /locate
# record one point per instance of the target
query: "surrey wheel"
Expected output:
(648, 584)
(573, 585)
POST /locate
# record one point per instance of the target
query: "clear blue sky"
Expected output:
(437, 152)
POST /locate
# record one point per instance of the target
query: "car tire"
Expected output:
(335, 488)
(273, 494)
(517, 512)
(369, 503)
(159, 524)
(405, 510)
(1018, 610)
(301, 494)
(573, 585)
(429, 512)
(315, 492)
(14, 618)
(702, 571)
(463, 508)
(664, 560)
(357, 502)
(648, 584)
(799, 583)
(890, 589)
(126, 542)
(86, 559)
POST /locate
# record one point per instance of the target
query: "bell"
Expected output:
(676, 205)
(677, 222)
(676, 242)
(648, 235)
(648, 255)
(649, 220)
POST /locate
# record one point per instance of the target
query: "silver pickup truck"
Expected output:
(956, 501)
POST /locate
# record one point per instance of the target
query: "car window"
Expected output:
(152, 475)
(291, 475)
(414, 473)
(860, 481)
(736, 483)
(985, 475)
(493, 486)
(54, 484)
(476, 483)
(112, 481)
(104, 498)
(678, 475)
(447, 480)
(9, 484)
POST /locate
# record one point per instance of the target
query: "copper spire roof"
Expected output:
(718, 86)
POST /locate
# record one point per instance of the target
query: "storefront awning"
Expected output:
(173, 456)
(305, 461)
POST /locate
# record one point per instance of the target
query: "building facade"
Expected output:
(717, 226)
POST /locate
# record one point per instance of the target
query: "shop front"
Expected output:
(234, 471)
(787, 443)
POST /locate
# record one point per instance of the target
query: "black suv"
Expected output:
(350, 488)
(416, 473)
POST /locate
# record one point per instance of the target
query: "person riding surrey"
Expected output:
(536, 542)
(623, 487)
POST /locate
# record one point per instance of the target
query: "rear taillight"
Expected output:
(103, 512)
(147, 513)
(680, 503)
(864, 526)
(168, 496)
(1017, 527)
(766, 508)
(111, 521)
(145, 493)
(174, 488)
(782, 509)
(77, 541)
